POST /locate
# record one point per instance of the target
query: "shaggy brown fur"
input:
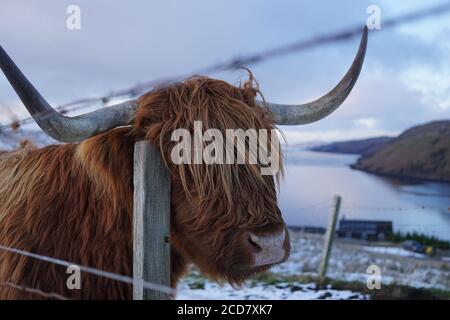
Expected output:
(74, 201)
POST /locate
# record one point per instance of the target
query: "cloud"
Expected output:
(367, 123)
(299, 137)
(433, 84)
(122, 43)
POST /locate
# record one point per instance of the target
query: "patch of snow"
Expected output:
(280, 291)
(349, 262)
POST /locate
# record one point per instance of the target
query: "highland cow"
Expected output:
(74, 201)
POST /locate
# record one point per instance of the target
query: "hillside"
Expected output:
(420, 152)
(363, 147)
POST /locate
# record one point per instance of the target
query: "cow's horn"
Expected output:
(322, 107)
(56, 125)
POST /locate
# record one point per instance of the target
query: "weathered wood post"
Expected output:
(151, 222)
(329, 237)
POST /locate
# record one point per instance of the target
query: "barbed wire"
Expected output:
(345, 205)
(428, 227)
(93, 271)
(247, 60)
(353, 206)
(105, 274)
(232, 64)
(34, 290)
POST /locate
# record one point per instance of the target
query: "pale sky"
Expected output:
(405, 79)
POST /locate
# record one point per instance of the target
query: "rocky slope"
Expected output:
(420, 152)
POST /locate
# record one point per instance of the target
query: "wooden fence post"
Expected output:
(151, 222)
(329, 237)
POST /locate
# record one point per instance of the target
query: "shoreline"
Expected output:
(355, 166)
(398, 176)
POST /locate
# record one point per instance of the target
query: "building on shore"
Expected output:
(368, 230)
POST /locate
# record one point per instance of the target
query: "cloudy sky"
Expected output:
(405, 79)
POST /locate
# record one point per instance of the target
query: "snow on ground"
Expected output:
(280, 291)
(348, 261)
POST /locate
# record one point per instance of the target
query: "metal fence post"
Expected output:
(151, 222)
(329, 237)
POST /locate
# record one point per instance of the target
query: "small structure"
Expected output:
(369, 230)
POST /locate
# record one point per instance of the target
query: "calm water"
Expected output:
(312, 178)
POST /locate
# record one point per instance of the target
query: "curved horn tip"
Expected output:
(56, 125)
(322, 107)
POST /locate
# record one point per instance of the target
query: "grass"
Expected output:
(391, 291)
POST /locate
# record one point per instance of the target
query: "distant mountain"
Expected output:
(420, 152)
(10, 140)
(362, 147)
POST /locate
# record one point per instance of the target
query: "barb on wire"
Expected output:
(35, 291)
(324, 39)
(94, 271)
(353, 206)
(251, 59)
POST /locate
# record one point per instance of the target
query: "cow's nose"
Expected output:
(267, 249)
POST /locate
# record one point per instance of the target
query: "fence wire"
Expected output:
(231, 64)
(49, 295)
(93, 271)
(356, 207)
(247, 60)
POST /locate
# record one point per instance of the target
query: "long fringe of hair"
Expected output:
(218, 105)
